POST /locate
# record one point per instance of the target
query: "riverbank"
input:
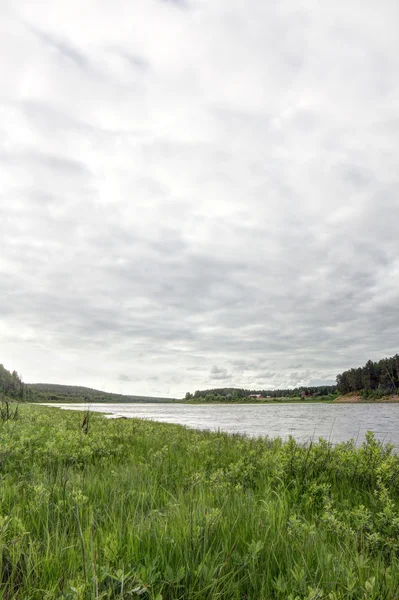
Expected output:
(97, 508)
(254, 401)
(355, 399)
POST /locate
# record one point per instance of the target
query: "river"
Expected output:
(305, 422)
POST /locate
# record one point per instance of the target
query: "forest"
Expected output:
(374, 379)
(63, 394)
(239, 394)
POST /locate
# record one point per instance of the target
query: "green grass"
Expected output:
(136, 509)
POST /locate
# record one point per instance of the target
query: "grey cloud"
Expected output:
(58, 163)
(45, 115)
(358, 176)
(135, 61)
(178, 3)
(219, 373)
(124, 378)
(65, 49)
(207, 216)
(268, 375)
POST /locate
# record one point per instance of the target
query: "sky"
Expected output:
(198, 193)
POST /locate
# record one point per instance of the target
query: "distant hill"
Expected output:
(52, 392)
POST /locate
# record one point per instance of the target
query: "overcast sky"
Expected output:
(198, 193)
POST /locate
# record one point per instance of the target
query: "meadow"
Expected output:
(96, 508)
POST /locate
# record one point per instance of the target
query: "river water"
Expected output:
(305, 422)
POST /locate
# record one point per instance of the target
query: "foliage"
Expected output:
(11, 385)
(375, 379)
(241, 394)
(136, 509)
(63, 394)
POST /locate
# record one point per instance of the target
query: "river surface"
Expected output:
(305, 422)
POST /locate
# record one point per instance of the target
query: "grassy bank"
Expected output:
(134, 509)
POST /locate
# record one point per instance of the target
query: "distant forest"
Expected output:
(52, 392)
(238, 394)
(381, 377)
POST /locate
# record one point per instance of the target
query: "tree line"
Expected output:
(237, 394)
(381, 377)
(11, 384)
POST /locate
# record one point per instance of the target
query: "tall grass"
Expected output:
(135, 509)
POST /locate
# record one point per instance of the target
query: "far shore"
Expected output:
(347, 399)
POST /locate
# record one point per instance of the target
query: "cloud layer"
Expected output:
(197, 194)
